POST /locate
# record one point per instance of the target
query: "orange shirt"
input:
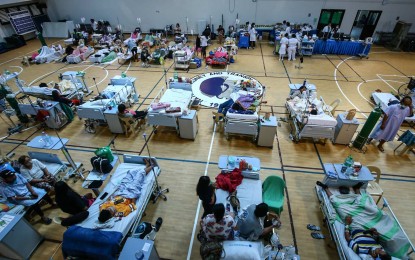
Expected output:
(125, 207)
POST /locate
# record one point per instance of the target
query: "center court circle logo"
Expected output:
(215, 88)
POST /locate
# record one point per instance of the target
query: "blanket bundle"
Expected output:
(160, 105)
(367, 215)
(229, 181)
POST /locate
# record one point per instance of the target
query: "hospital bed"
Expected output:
(183, 57)
(95, 111)
(397, 243)
(249, 192)
(68, 90)
(243, 124)
(176, 97)
(83, 241)
(305, 125)
(383, 99)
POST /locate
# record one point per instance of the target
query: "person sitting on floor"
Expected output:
(122, 202)
(364, 241)
(69, 201)
(297, 93)
(220, 225)
(256, 222)
(18, 191)
(36, 173)
(206, 191)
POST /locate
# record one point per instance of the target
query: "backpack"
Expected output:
(101, 165)
(211, 250)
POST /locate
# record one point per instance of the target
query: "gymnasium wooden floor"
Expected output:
(184, 161)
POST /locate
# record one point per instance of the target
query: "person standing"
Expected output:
(221, 33)
(203, 44)
(283, 46)
(387, 129)
(205, 190)
(326, 31)
(252, 36)
(288, 28)
(198, 46)
(292, 46)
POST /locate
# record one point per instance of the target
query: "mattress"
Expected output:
(122, 92)
(321, 120)
(124, 225)
(249, 192)
(247, 117)
(177, 98)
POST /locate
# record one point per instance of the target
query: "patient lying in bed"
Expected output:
(366, 216)
(122, 202)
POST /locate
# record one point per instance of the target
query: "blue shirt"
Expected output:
(18, 188)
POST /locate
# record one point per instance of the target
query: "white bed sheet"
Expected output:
(122, 91)
(123, 225)
(97, 104)
(249, 192)
(177, 98)
(247, 117)
(322, 120)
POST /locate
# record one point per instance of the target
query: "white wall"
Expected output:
(158, 13)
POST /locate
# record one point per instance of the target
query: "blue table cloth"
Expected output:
(340, 47)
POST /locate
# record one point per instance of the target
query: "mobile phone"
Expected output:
(228, 207)
(103, 196)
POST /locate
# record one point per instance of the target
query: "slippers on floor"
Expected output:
(313, 227)
(380, 149)
(317, 235)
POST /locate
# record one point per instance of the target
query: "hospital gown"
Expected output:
(396, 116)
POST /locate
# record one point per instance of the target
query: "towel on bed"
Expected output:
(367, 215)
(229, 181)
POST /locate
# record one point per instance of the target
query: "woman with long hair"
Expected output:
(206, 191)
(220, 225)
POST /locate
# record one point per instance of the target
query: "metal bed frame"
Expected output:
(158, 119)
(300, 130)
(335, 236)
(133, 159)
(95, 116)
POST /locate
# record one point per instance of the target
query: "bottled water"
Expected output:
(46, 139)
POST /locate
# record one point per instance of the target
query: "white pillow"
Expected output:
(236, 250)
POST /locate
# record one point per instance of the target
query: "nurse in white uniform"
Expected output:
(288, 29)
(283, 46)
(292, 46)
(252, 36)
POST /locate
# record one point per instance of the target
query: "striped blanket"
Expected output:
(367, 215)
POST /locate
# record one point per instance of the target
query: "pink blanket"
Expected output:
(160, 105)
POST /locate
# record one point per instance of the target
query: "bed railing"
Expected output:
(386, 205)
(158, 96)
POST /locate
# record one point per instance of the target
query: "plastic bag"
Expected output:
(105, 152)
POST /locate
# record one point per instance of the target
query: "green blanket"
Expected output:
(110, 57)
(367, 215)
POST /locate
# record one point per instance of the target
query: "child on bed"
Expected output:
(123, 200)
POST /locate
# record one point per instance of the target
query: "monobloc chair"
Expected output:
(129, 125)
(373, 188)
(332, 107)
(273, 193)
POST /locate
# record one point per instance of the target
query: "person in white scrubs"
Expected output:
(326, 31)
(288, 29)
(252, 36)
(283, 46)
(292, 47)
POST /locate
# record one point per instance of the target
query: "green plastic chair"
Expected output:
(273, 193)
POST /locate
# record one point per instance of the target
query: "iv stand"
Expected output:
(158, 192)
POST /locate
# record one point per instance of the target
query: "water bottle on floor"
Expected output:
(46, 139)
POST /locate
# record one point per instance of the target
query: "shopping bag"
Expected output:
(105, 152)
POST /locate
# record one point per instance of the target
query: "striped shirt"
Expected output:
(362, 243)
